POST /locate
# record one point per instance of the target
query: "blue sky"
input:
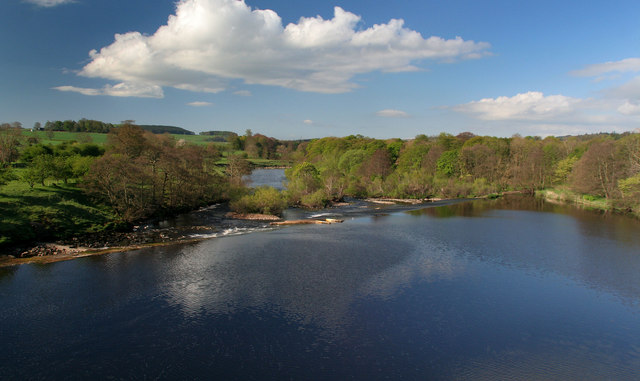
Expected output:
(293, 69)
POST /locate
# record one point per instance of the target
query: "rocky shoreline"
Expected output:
(143, 236)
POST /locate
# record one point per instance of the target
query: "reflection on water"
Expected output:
(506, 289)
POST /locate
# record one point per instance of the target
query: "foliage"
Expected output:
(448, 164)
(237, 167)
(264, 200)
(602, 165)
(315, 200)
(6, 175)
(599, 170)
(10, 141)
(143, 174)
(83, 125)
(304, 179)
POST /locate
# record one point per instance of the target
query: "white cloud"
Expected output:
(616, 109)
(629, 108)
(49, 3)
(533, 113)
(200, 104)
(625, 97)
(623, 66)
(118, 90)
(307, 121)
(390, 113)
(243, 93)
(210, 42)
(526, 106)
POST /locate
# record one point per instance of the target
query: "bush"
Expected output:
(481, 187)
(450, 188)
(264, 200)
(315, 200)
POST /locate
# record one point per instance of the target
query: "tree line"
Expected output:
(82, 125)
(140, 174)
(603, 165)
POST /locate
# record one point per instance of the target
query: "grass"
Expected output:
(63, 136)
(566, 195)
(97, 138)
(48, 212)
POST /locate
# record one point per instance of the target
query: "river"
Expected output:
(514, 288)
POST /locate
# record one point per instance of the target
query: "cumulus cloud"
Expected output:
(390, 113)
(623, 66)
(199, 104)
(525, 106)
(49, 3)
(207, 43)
(118, 90)
(243, 93)
(629, 108)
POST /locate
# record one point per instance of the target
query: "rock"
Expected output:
(307, 222)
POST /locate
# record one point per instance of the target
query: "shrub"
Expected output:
(315, 200)
(481, 187)
(265, 200)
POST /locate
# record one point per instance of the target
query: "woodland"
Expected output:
(52, 188)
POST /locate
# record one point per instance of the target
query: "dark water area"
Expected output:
(514, 288)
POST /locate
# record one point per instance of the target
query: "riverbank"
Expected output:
(211, 222)
(565, 196)
(54, 252)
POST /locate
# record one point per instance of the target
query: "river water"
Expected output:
(514, 288)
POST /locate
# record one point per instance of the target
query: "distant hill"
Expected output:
(219, 136)
(158, 129)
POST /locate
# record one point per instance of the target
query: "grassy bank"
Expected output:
(565, 195)
(48, 212)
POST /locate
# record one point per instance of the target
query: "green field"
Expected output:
(97, 138)
(63, 136)
(48, 212)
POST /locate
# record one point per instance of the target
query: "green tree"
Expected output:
(39, 170)
(448, 164)
(264, 200)
(6, 174)
(304, 179)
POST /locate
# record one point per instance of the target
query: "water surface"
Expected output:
(507, 289)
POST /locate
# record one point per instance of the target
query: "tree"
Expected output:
(127, 139)
(62, 168)
(6, 175)
(479, 161)
(304, 180)
(377, 165)
(598, 170)
(10, 141)
(238, 166)
(265, 200)
(39, 170)
(448, 164)
(526, 167)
